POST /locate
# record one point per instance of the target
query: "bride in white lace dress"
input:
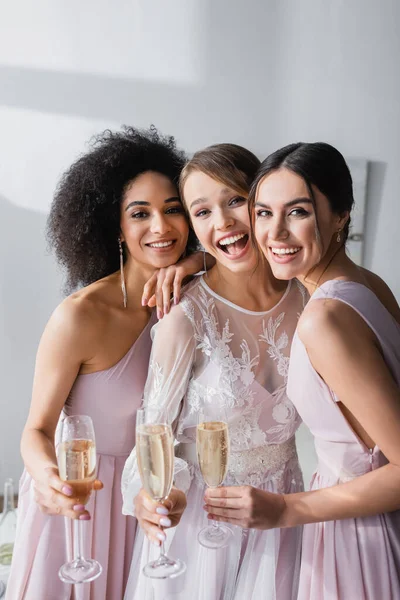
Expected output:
(227, 341)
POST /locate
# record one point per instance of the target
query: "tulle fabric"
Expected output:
(255, 565)
(208, 350)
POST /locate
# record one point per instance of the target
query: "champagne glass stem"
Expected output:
(68, 538)
(162, 558)
(78, 535)
(215, 524)
(162, 549)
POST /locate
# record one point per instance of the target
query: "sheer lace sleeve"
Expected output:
(170, 368)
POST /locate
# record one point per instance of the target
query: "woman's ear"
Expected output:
(342, 219)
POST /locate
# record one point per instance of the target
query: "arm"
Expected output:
(346, 355)
(64, 346)
(164, 282)
(170, 369)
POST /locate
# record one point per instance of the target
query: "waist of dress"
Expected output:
(248, 467)
(344, 462)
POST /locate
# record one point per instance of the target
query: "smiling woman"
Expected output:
(226, 345)
(115, 219)
(343, 378)
(154, 229)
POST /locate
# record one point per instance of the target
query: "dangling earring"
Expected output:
(338, 236)
(121, 268)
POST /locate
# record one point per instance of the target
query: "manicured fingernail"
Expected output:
(161, 537)
(176, 299)
(165, 522)
(66, 490)
(144, 301)
(79, 507)
(159, 314)
(84, 517)
(166, 309)
(161, 510)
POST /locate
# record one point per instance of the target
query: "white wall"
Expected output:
(262, 73)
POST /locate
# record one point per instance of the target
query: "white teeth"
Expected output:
(161, 244)
(285, 250)
(232, 240)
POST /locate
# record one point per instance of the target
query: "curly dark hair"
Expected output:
(84, 221)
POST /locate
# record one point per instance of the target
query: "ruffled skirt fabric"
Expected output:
(351, 559)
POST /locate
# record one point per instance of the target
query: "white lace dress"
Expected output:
(208, 349)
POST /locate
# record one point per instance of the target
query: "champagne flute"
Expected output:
(76, 457)
(155, 457)
(212, 442)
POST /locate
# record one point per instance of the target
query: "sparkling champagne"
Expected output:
(155, 456)
(77, 466)
(213, 451)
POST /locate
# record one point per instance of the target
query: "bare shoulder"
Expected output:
(383, 292)
(83, 313)
(328, 321)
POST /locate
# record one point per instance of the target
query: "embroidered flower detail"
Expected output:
(241, 432)
(281, 413)
(157, 381)
(275, 347)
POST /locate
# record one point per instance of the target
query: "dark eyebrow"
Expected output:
(143, 203)
(290, 203)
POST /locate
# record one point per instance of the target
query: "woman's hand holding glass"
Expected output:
(153, 516)
(245, 506)
(55, 497)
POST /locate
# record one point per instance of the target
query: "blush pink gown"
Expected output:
(111, 398)
(352, 559)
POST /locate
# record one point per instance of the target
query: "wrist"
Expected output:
(288, 517)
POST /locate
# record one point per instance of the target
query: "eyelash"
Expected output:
(237, 199)
(174, 210)
(301, 213)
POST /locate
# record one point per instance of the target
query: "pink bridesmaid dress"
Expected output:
(351, 559)
(111, 398)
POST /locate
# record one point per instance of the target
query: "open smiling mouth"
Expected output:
(234, 245)
(166, 245)
(285, 251)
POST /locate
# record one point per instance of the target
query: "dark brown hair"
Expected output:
(319, 165)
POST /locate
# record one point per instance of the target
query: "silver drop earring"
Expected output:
(121, 268)
(338, 236)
